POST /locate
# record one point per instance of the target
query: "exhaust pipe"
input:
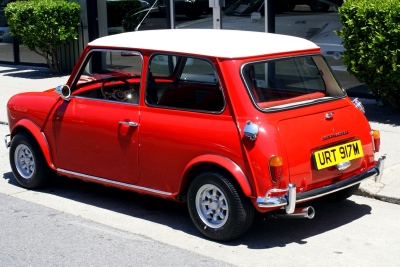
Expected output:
(307, 212)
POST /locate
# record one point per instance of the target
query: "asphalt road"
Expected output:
(34, 235)
(72, 223)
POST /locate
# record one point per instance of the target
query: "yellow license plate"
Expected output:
(337, 154)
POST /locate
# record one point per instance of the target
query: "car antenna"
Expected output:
(140, 23)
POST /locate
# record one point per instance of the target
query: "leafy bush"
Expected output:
(44, 26)
(371, 37)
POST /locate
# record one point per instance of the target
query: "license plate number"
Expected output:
(337, 154)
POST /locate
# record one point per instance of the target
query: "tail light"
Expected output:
(376, 136)
(276, 168)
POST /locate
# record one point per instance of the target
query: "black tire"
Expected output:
(342, 194)
(232, 213)
(318, 6)
(27, 162)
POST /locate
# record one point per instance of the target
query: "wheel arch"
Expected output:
(218, 162)
(31, 128)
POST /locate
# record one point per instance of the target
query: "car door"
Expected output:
(187, 121)
(97, 129)
(98, 138)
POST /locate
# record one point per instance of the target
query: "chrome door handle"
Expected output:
(129, 123)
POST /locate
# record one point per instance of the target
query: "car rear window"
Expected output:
(290, 81)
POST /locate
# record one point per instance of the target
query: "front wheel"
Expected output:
(27, 162)
(217, 208)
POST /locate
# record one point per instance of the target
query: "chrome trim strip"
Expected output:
(115, 182)
(319, 192)
(105, 100)
(380, 165)
(288, 199)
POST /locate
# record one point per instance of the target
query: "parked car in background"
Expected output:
(315, 5)
(192, 9)
(5, 36)
(231, 130)
(246, 7)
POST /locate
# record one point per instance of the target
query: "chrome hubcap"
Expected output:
(212, 206)
(24, 161)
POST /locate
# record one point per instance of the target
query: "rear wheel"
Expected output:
(217, 208)
(27, 162)
(342, 194)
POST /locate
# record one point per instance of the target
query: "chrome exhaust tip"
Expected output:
(307, 212)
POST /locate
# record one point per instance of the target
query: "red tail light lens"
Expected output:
(376, 135)
(276, 168)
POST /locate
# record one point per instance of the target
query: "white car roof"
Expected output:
(208, 42)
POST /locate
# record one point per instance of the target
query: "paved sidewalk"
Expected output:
(18, 79)
(387, 121)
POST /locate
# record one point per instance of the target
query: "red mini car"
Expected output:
(239, 123)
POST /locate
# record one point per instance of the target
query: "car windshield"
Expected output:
(285, 82)
(102, 65)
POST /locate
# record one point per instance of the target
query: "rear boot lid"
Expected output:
(326, 145)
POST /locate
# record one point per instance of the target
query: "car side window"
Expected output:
(183, 83)
(112, 75)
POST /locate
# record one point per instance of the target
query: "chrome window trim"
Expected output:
(114, 182)
(105, 100)
(183, 109)
(294, 105)
(79, 72)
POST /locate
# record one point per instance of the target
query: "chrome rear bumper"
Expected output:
(289, 200)
(7, 141)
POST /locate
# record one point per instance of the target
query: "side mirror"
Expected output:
(64, 91)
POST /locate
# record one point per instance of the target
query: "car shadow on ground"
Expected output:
(265, 232)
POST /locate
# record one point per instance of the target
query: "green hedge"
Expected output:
(44, 26)
(371, 37)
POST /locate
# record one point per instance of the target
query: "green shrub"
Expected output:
(371, 37)
(44, 26)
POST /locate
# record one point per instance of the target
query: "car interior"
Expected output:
(183, 83)
(175, 82)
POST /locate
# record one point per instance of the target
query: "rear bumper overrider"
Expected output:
(7, 140)
(289, 200)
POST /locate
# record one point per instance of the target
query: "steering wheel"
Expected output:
(117, 94)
